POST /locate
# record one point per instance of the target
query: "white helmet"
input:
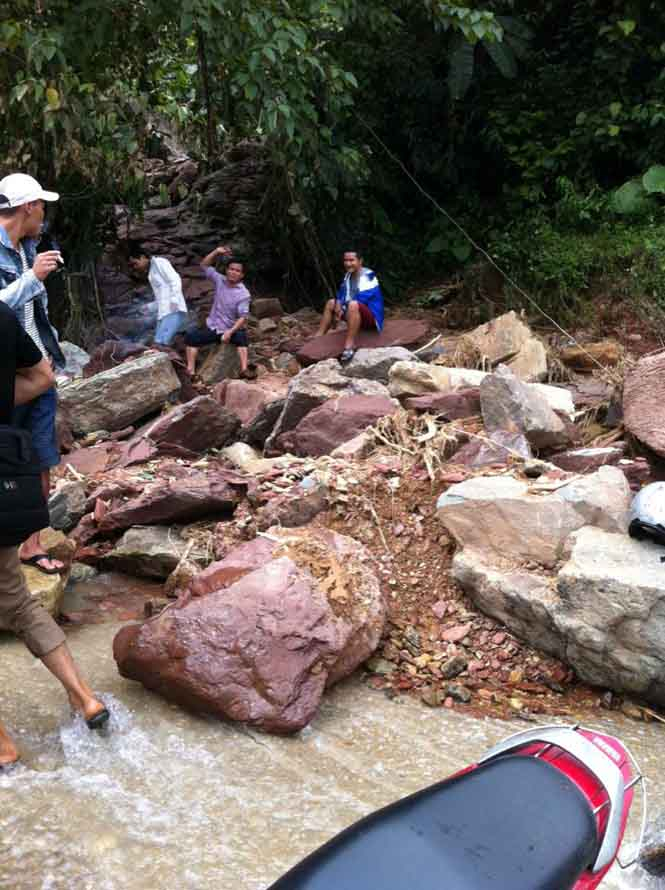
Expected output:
(647, 513)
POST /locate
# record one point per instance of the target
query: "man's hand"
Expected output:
(226, 336)
(45, 263)
(224, 250)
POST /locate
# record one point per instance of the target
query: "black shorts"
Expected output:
(206, 337)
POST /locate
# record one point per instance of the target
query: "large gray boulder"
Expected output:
(508, 404)
(612, 613)
(503, 518)
(114, 399)
(561, 572)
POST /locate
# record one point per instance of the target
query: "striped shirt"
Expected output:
(30, 323)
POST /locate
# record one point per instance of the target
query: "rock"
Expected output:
(453, 667)
(458, 693)
(261, 426)
(115, 398)
(249, 460)
(612, 613)
(652, 851)
(67, 504)
(407, 378)
(451, 405)
(587, 357)
(355, 449)
(178, 500)
(335, 422)
(375, 364)
(456, 634)
(499, 518)
(520, 599)
(267, 326)
(146, 551)
(588, 460)
(286, 362)
(80, 572)
(312, 387)
(222, 362)
(278, 622)
(48, 589)
(75, 357)
(497, 447)
(396, 332)
(191, 428)
(508, 340)
(247, 400)
(266, 307)
(381, 666)
(508, 404)
(643, 400)
(637, 471)
(293, 509)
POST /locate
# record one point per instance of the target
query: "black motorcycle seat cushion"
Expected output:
(516, 823)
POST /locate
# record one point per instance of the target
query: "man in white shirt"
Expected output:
(166, 286)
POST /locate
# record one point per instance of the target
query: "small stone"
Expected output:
(459, 693)
(381, 666)
(432, 696)
(456, 634)
(453, 667)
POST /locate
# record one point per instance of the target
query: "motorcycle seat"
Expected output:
(514, 823)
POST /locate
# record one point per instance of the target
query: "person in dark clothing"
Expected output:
(23, 272)
(24, 375)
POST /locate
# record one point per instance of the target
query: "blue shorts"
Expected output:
(38, 416)
(168, 327)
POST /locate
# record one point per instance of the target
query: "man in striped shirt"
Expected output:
(22, 276)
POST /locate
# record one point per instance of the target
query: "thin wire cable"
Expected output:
(613, 379)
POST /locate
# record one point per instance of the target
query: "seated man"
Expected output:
(359, 302)
(166, 286)
(228, 316)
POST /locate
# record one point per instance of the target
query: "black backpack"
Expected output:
(23, 508)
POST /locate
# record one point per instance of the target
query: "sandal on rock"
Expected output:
(98, 720)
(346, 356)
(36, 560)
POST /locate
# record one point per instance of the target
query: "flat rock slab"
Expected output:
(396, 332)
(114, 399)
(147, 551)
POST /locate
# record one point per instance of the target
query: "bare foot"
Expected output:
(8, 750)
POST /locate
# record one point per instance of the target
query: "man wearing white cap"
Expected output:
(22, 275)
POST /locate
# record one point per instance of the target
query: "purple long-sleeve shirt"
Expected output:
(230, 302)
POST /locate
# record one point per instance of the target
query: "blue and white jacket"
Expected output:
(17, 288)
(369, 293)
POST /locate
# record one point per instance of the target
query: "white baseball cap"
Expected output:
(19, 188)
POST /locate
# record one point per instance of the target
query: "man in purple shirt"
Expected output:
(228, 317)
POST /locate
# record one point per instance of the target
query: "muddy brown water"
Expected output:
(170, 800)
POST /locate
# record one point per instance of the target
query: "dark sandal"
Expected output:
(98, 720)
(346, 356)
(36, 559)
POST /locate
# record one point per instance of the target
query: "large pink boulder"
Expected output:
(335, 422)
(264, 632)
(396, 332)
(643, 400)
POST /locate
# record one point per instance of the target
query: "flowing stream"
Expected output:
(169, 801)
